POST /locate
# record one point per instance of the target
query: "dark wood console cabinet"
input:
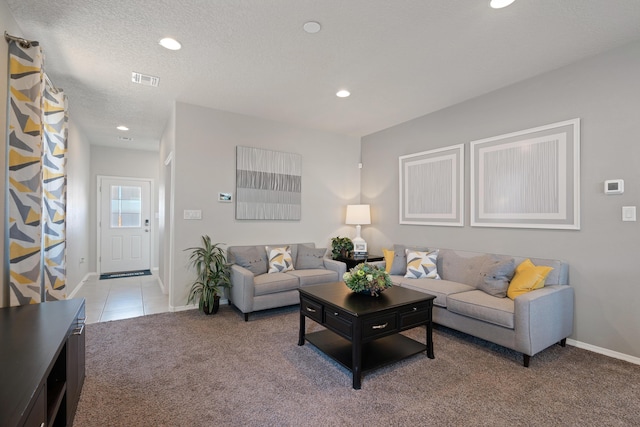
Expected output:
(42, 363)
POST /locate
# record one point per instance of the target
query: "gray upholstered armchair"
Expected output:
(257, 287)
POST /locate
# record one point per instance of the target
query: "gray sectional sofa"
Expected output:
(468, 299)
(254, 289)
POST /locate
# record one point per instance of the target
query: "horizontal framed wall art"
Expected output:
(432, 187)
(268, 184)
(528, 179)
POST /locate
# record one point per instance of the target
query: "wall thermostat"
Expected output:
(614, 186)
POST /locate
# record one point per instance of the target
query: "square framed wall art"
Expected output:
(527, 179)
(432, 187)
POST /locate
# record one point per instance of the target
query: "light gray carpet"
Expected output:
(188, 369)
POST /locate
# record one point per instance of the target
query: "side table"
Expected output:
(353, 261)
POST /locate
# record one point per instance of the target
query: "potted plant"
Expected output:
(341, 247)
(367, 279)
(212, 274)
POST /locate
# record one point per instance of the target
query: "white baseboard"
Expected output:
(82, 282)
(604, 351)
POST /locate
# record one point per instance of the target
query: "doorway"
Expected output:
(124, 224)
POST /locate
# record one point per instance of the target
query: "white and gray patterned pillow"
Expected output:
(422, 264)
(279, 259)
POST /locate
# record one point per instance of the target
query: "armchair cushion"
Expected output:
(249, 258)
(274, 283)
(310, 258)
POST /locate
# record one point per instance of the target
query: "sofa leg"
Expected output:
(526, 359)
(246, 317)
(563, 342)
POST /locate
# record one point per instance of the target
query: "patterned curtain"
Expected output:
(54, 193)
(37, 182)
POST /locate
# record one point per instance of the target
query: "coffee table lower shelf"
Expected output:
(375, 354)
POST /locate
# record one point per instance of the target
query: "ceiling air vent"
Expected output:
(145, 79)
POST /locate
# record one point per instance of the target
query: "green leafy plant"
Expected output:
(367, 278)
(212, 273)
(341, 246)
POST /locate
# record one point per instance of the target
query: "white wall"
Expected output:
(604, 92)
(78, 195)
(165, 191)
(205, 142)
(110, 161)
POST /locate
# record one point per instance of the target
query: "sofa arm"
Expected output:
(337, 266)
(543, 317)
(242, 288)
(380, 264)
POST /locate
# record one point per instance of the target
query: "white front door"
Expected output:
(124, 224)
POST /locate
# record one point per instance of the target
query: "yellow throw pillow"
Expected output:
(527, 278)
(388, 259)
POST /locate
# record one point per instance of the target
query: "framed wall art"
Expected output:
(268, 184)
(527, 179)
(432, 187)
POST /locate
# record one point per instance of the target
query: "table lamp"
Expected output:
(358, 215)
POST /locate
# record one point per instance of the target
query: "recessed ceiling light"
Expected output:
(311, 27)
(171, 44)
(343, 93)
(121, 127)
(499, 4)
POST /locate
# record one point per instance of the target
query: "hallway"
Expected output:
(116, 299)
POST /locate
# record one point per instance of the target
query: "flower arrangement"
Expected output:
(367, 278)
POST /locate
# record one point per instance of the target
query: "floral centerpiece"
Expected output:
(367, 278)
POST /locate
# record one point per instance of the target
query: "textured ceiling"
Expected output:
(399, 58)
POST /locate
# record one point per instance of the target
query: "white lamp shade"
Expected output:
(358, 215)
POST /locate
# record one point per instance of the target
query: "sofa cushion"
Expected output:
(441, 289)
(279, 259)
(421, 265)
(265, 284)
(314, 276)
(249, 258)
(482, 306)
(461, 269)
(399, 265)
(309, 258)
(496, 276)
(527, 278)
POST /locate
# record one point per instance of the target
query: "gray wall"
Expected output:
(603, 91)
(205, 142)
(109, 161)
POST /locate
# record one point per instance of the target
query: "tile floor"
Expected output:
(115, 299)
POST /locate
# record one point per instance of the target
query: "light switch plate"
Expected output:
(192, 214)
(628, 213)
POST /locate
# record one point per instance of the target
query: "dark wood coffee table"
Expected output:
(362, 332)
